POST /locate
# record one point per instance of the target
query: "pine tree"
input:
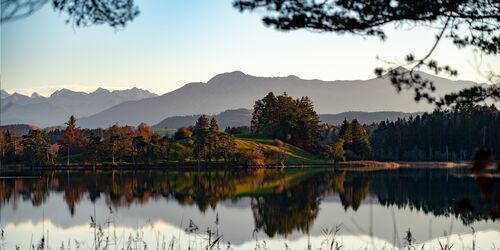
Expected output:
(212, 139)
(338, 150)
(201, 130)
(307, 129)
(345, 133)
(93, 149)
(213, 125)
(72, 138)
(360, 141)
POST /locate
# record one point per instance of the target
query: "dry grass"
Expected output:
(362, 166)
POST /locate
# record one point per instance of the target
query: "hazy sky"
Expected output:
(172, 43)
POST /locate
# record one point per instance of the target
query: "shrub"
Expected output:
(183, 133)
(275, 156)
(254, 158)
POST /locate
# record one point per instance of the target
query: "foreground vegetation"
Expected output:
(106, 237)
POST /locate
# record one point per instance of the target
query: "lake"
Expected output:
(299, 208)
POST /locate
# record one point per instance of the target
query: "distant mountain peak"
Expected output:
(61, 91)
(100, 90)
(293, 77)
(36, 95)
(236, 72)
(4, 94)
(228, 77)
(15, 94)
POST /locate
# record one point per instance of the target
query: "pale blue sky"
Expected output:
(172, 43)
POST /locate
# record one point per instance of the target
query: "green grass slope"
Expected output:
(295, 155)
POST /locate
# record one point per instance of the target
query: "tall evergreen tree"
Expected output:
(360, 142)
(212, 139)
(93, 149)
(307, 126)
(201, 130)
(72, 138)
(346, 134)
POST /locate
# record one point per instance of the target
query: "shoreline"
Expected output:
(341, 166)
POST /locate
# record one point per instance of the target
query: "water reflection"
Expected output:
(282, 203)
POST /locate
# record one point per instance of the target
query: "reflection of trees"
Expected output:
(282, 213)
(352, 191)
(439, 192)
(282, 201)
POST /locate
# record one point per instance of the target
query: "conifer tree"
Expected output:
(346, 134)
(201, 130)
(360, 142)
(93, 149)
(72, 138)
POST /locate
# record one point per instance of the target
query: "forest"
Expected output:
(283, 131)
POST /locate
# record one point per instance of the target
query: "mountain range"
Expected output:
(238, 90)
(243, 117)
(226, 91)
(56, 109)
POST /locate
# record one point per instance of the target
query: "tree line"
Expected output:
(452, 135)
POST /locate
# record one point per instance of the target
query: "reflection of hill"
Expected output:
(281, 201)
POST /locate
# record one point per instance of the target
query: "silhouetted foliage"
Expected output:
(479, 18)
(115, 13)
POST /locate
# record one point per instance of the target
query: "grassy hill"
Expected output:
(295, 155)
(181, 153)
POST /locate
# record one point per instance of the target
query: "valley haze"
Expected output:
(226, 91)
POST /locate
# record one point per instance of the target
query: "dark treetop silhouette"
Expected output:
(115, 13)
(479, 18)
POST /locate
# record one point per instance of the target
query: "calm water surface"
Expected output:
(271, 208)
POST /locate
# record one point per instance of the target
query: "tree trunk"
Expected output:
(67, 163)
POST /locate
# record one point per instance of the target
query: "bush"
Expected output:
(254, 158)
(183, 133)
(275, 156)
